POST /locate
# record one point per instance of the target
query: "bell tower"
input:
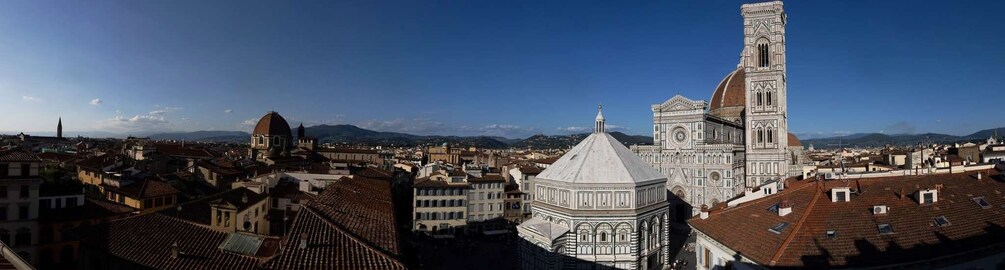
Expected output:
(765, 112)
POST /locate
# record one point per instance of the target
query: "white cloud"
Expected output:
(572, 129)
(248, 124)
(30, 99)
(137, 123)
(576, 130)
(423, 126)
(158, 112)
(96, 101)
(228, 111)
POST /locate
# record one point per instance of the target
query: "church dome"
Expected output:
(730, 96)
(272, 124)
(794, 141)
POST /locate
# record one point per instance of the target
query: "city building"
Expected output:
(440, 206)
(271, 138)
(712, 151)
(938, 221)
(599, 205)
(19, 201)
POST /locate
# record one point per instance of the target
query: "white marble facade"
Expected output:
(598, 206)
(712, 151)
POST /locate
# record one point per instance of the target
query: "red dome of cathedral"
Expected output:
(730, 96)
(794, 141)
(272, 124)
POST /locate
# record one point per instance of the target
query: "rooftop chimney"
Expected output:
(174, 250)
(978, 175)
(303, 240)
(784, 208)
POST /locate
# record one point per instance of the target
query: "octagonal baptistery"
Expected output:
(599, 206)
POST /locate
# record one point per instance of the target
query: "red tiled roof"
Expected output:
(794, 141)
(182, 151)
(273, 124)
(146, 188)
(804, 243)
(731, 91)
(362, 207)
(426, 182)
(487, 178)
(18, 155)
(328, 247)
(96, 163)
(374, 173)
(146, 240)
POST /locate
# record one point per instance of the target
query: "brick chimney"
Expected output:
(784, 208)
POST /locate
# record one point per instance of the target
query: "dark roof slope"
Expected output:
(804, 243)
(328, 247)
(147, 239)
(362, 207)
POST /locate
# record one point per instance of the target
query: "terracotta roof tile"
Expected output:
(361, 206)
(328, 247)
(146, 240)
(744, 228)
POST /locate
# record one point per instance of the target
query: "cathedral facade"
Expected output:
(713, 151)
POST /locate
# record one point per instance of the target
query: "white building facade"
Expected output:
(599, 205)
(712, 151)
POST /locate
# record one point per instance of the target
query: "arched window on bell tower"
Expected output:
(763, 55)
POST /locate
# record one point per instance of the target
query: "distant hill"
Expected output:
(567, 141)
(353, 135)
(879, 139)
(204, 136)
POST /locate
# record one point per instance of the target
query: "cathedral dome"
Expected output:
(794, 141)
(730, 96)
(272, 124)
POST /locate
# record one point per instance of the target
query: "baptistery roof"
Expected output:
(600, 159)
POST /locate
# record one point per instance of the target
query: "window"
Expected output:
(841, 196)
(25, 169)
(777, 229)
(928, 198)
(885, 228)
(771, 136)
(982, 203)
(941, 221)
(768, 98)
(25, 191)
(3, 213)
(762, 53)
(832, 235)
(603, 236)
(22, 238)
(4, 169)
(22, 211)
(760, 136)
(3, 190)
(760, 101)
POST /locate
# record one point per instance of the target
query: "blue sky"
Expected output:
(507, 68)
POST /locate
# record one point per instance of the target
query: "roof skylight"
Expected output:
(941, 221)
(777, 229)
(982, 202)
(885, 228)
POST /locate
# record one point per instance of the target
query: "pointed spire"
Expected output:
(599, 125)
(59, 128)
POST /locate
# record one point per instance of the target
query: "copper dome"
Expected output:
(272, 124)
(730, 96)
